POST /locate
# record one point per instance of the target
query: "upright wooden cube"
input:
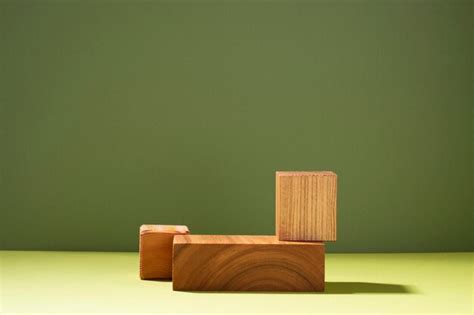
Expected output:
(306, 206)
(156, 249)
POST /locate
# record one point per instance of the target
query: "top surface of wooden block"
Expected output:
(169, 229)
(305, 173)
(235, 240)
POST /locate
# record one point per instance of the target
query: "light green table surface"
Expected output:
(88, 282)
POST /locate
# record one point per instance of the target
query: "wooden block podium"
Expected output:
(290, 261)
(306, 206)
(246, 263)
(156, 247)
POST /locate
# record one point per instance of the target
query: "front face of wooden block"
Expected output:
(306, 206)
(156, 247)
(257, 266)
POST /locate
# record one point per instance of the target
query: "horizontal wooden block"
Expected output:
(306, 206)
(246, 263)
(156, 247)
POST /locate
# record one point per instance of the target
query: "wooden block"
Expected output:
(156, 247)
(306, 206)
(246, 263)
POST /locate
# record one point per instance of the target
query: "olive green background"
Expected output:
(115, 114)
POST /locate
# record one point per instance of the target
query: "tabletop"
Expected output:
(108, 282)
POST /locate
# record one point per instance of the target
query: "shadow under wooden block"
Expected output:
(306, 206)
(366, 288)
(347, 288)
(246, 263)
(156, 247)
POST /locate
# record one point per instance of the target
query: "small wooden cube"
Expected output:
(306, 206)
(156, 249)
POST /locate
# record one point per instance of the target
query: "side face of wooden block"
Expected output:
(246, 263)
(306, 205)
(156, 247)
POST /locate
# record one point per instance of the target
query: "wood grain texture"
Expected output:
(306, 205)
(246, 263)
(156, 247)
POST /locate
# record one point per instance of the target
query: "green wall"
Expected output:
(115, 114)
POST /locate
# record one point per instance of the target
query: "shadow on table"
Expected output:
(366, 287)
(340, 288)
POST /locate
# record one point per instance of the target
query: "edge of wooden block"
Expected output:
(305, 173)
(277, 205)
(165, 229)
(206, 239)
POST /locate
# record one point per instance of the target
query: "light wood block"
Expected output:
(156, 247)
(246, 263)
(306, 206)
